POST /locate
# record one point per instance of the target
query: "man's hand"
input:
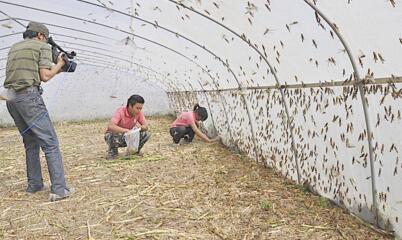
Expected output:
(144, 128)
(47, 74)
(60, 59)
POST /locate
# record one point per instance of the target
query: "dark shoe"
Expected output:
(186, 140)
(31, 191)
(67, 193)
(112, 154)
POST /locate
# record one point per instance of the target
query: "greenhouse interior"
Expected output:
(295, 108)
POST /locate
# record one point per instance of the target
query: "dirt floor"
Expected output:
(196, 191)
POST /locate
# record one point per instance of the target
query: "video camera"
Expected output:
(69, 66)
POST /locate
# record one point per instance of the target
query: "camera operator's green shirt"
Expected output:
(25, 58)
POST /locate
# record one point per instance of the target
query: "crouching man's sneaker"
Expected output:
(111, 156)
(67, 193)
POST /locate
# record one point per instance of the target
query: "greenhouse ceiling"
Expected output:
(273, 74)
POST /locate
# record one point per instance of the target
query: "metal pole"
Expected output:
(285, 105)
(364, 104)
(187, 39)
(209, 106)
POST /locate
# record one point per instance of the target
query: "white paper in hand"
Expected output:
(133, 140)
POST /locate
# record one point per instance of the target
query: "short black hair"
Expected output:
(29, 34)
(135, 99)
(201, 112)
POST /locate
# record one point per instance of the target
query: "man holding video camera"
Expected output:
(30, 62)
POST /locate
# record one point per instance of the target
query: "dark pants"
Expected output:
(182, 132)
(116, 140)
(32, 120)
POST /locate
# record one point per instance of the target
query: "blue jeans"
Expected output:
(28, 110)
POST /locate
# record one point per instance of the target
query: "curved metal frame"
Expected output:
(358, 83)
(118, 30)
(285, 104)
(131, 62)
(364, 103)
(107, 66)
(200, 46)
(100, 24)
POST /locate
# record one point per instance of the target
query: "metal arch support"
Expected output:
(174, 100)
(170, 98)
(285, 104)
(170, 82)
(16, 20)
(231, 140)
(230, 70)
(134, 17)
(202, 47)
(253, 134)
(189, 99)
(364, 103)
(141, 66)
(192, 90)
(106, 66)
(100, 24)
(209, 106)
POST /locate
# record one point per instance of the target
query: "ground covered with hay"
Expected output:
(196, 191)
